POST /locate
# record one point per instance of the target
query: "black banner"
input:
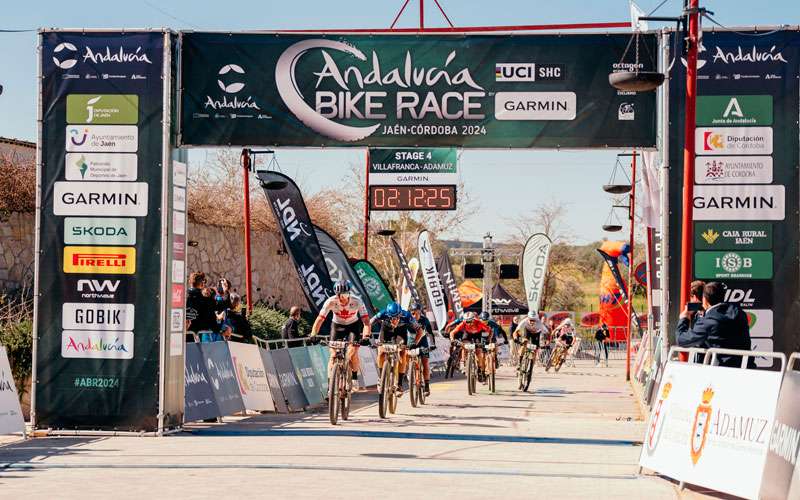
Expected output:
(97, 339)
(299, 237)
(274, 381)
(483, 91)
(200, 403)
(221, 374)
(406, 271)
(623, 289)
(780, 480)
(295, 397)
(448, 280)
(339, 267)
(748, 93)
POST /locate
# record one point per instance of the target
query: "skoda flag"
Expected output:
(301, 241)
(436, 296)
(534, 268)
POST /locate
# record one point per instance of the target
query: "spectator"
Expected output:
(696, 297)
(724, 325)
(600, 337)
(236, 327)
(222, 296)
(291, 329)
(201, 325)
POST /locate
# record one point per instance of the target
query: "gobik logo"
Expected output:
(69, 59)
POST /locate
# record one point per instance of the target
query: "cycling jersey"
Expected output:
(346, 314)
(531, 329)
(567, 338)
(474, 330)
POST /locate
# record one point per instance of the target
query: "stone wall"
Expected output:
(219, 253)
(16, 250)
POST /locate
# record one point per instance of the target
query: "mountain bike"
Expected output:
(558, 357)
(471, 364)
(388, 388)
(454, 360)
(416, 379)
(491, 366)
(340, 382)
(526, 363)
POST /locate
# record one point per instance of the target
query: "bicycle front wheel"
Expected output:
(528, 375)
(383, 393)
(334, 403)
(492, 369)
(347, 396)
(413, 390)
(394, 381)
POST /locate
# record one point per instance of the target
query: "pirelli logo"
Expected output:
(100, 260)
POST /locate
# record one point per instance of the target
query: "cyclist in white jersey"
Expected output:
(530, 328)
(347, 310)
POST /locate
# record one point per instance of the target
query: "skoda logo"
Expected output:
(230, 88)
(65, 63)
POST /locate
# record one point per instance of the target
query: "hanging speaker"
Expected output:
(473, 270)
(509, 271)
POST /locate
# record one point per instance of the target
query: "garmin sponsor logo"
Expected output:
(535, 105)
(739, 202)
(107, 198)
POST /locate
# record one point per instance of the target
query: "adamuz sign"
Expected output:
(525, 91)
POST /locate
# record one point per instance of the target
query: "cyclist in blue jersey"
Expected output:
(422, 341)
(396, 323)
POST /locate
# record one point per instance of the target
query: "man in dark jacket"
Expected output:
(723, 325)
(291, 329)
(200, 317)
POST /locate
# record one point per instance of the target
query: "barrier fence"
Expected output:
(735, 430)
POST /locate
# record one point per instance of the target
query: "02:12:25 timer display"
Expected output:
(412, 197)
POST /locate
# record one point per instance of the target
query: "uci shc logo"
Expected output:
(230, 88)
(65, 63)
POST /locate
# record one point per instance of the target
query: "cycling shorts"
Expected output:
(389, 334)
(349, 332)
(475, 338)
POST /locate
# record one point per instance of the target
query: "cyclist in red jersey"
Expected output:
(475, 331)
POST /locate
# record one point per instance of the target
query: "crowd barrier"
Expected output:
(225, 378)
(10, 412)
(733, 430)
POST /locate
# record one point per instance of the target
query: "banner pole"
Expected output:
(688, 151)
(366, 208)
(247, 264)
(421, 14)
(630, 268)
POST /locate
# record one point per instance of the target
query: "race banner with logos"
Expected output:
(710, 426)
(102, 145)
(746, 179)
(436, 294)
(11, 420)
(406, 293)
(448, 280)
(300, 239)
(534, 268)
(339, 267)
(486, 91)
(407, 276)
(781, 477)
(376, 288)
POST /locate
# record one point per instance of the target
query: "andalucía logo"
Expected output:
(702, 422)
(657, 420)
(101, 345)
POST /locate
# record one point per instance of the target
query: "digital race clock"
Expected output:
(412, 197)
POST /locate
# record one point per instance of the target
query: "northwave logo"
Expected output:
(65, 63)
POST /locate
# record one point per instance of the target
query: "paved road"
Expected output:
(575, 436)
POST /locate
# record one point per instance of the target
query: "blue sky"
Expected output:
(504, 183)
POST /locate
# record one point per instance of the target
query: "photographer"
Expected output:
(236, 327)
(201, 324)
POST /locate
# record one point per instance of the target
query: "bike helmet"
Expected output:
(393, 310)
(416, 306)
(342, 286)
(532, 315)
(469, 317)
(485, 316)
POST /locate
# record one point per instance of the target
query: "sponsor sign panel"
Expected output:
(733, 140)
(437, 300)
(178, 222)
(319, 360)
(252, 377)
(368, 376)
(11, 420)
(103, 109)
(199, 402)
(222, 375)
(99, 231)
(733, 235)
(739, 202)
(414, 166)
(102, 138)
(309, 381)
(100, 167)
(760, 322)
(274, 381)
(98, 316)
(100, 260)
(734, 110)
(118, 289)
(710, 426)
(733, 265)
(540, 91)
(781, 478)
(749, 294)
(178, 295)
(97, 345)
(179, 246)
(733, 169)
(107, 198)
(535, 257)
(290, 385)
(179, 173)
(177, 320)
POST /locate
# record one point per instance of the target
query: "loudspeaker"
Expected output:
(473, 270)
(509, 271)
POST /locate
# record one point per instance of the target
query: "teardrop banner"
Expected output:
(448, 280)
(534, 268)
(375, 285)
(339, 267)
(436, 294)
(406, 271)
(405, 288)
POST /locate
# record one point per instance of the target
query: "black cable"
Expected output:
(657, 7)
(710, 18)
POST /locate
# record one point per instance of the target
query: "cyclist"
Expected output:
(422, 341)
(499, 332)
(477, 332)
(565, 332)
(347, 310)
(530, 328)
(396, 322)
